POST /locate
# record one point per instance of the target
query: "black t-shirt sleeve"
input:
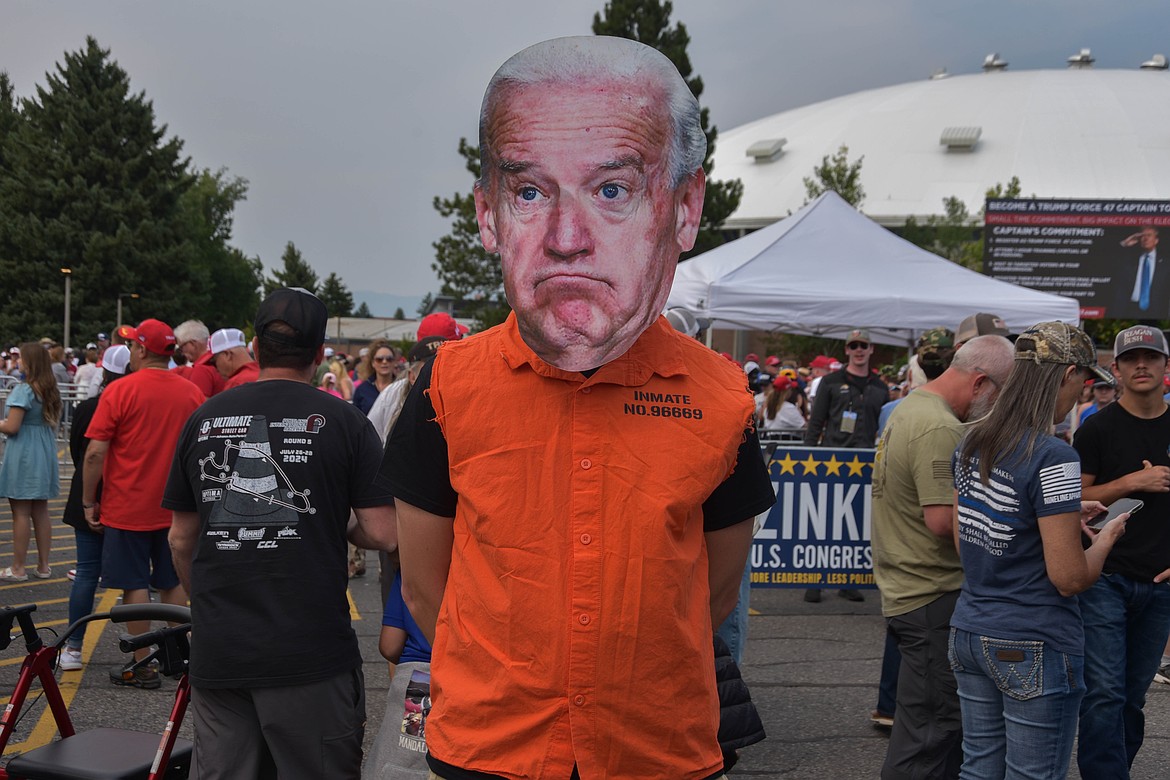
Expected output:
(366, 489)
(745, 493)
(415, 465)
(1086, 441)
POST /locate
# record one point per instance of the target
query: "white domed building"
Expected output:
(1072, 133)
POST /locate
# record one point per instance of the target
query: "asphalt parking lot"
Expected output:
(812, 668)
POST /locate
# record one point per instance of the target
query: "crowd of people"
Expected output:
(1014, 622)
(552, 593)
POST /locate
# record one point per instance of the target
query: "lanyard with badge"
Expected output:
(849, 417)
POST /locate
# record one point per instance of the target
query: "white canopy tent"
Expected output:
(828, 269)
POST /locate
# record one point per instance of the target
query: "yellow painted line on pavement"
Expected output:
(353, 610)
(46, 728)
(7, 538)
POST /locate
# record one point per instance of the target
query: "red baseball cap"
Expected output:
(752, 356)
(821, 361)
(155, 335)
(440, 323)
(771, 360)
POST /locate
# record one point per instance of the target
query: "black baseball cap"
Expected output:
(425, 349)
(297, 308)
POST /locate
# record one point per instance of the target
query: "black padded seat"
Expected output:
(100, 754)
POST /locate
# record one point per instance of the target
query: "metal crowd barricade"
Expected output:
(771, 438)
(71, 395)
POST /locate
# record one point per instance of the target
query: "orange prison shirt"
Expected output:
(140, 415)
(576, 623)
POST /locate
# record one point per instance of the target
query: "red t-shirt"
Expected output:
(249, 372)
(205, 375)
(140, 416)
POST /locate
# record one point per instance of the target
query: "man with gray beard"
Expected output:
(916, 566)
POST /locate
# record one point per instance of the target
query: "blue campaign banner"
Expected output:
(817, 534)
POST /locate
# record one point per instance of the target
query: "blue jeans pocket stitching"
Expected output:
(1021, 680)
(952, 655)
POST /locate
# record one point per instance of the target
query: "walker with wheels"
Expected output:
(100, 753)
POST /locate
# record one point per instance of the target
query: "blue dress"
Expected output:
(29, 470)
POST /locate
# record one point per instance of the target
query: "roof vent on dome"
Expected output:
(1157, 62)
(1082, 60)
(993, 62)
(960, 139)
(941, 73)
(766, 150)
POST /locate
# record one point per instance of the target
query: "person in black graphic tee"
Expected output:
(261, 486)
(1124, 453)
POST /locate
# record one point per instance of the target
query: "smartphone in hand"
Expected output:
(1120, 506)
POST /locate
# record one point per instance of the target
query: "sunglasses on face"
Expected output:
(856, 345)
(386, 359)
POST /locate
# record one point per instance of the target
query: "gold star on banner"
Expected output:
(833, 466)
(810, 464)
(788, 465)
(855, 466)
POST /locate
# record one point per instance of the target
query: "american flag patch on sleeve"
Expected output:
(1061, 483)
(941, 469)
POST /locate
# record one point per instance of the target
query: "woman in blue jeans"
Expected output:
(1017, 645)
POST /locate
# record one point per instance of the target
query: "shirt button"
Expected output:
(584, 620)
(586, 538)
(586, 463)
(586, 390)
(579, 700)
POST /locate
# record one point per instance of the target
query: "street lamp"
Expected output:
(68, 272)
(120, 297)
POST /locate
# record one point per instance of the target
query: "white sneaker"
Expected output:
(70, 660)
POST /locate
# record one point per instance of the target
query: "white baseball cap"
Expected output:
(116, 359)
(225, 339)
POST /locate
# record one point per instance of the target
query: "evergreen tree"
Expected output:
(296, 272)
(228, 282)
(424, 306)
(89, 182)
(466, 271)
(399, 314)
(648, 22)
(336, 296)
(363, 311)
(836, 173)
(9, 116)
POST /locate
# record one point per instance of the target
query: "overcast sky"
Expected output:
(345, 116)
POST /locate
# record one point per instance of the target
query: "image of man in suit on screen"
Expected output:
(1145, 294)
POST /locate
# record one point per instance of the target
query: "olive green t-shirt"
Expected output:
(912, 469)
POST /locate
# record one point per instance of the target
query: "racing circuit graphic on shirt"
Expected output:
(256, 490)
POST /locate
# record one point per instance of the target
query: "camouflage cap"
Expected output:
(936, 348)
(1060, 343)
(936, 337)
(858, 334)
